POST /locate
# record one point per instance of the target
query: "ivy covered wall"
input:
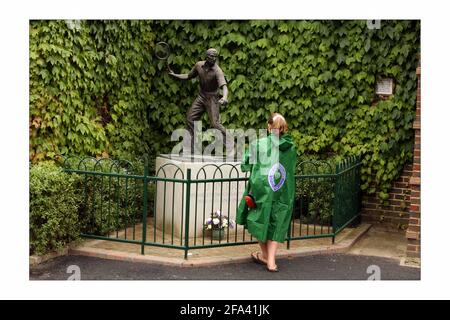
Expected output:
(97, 89)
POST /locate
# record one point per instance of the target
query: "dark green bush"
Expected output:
(109, 203)
(314, 196)
(54, 204)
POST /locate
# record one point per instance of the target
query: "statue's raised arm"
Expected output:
(212, 80)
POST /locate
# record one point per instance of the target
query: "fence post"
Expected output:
(188, 206)
(145, 206)
(289, 237)
(358, 187)
(289, 234)
(335, 202)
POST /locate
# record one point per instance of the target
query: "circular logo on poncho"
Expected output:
(277, 171)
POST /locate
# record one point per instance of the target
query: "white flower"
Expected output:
(218, 221)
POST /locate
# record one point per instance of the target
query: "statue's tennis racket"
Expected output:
(162, 52)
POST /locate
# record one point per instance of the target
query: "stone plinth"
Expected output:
(205, 197)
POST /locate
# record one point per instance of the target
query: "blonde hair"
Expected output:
(278, 122)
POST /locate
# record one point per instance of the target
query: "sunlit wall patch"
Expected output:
(276, 168)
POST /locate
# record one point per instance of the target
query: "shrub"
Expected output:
(109, 203)
(314, 196)
(54, 204)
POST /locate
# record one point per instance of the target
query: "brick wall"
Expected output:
(403, 212)
(413, 232)
(396, 215)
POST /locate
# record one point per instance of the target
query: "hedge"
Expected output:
(54, 204)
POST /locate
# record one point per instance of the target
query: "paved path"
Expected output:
(319, 267)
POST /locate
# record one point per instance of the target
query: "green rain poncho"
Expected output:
(271, 162)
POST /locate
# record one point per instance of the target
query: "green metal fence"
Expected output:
(170, 206)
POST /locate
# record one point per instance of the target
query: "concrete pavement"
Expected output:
(318, 267)
(217, 256)
(359, 254)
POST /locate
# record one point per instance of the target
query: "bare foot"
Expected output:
(258, 258)
(273, 268)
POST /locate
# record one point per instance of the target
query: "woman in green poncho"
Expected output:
(266, 207)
